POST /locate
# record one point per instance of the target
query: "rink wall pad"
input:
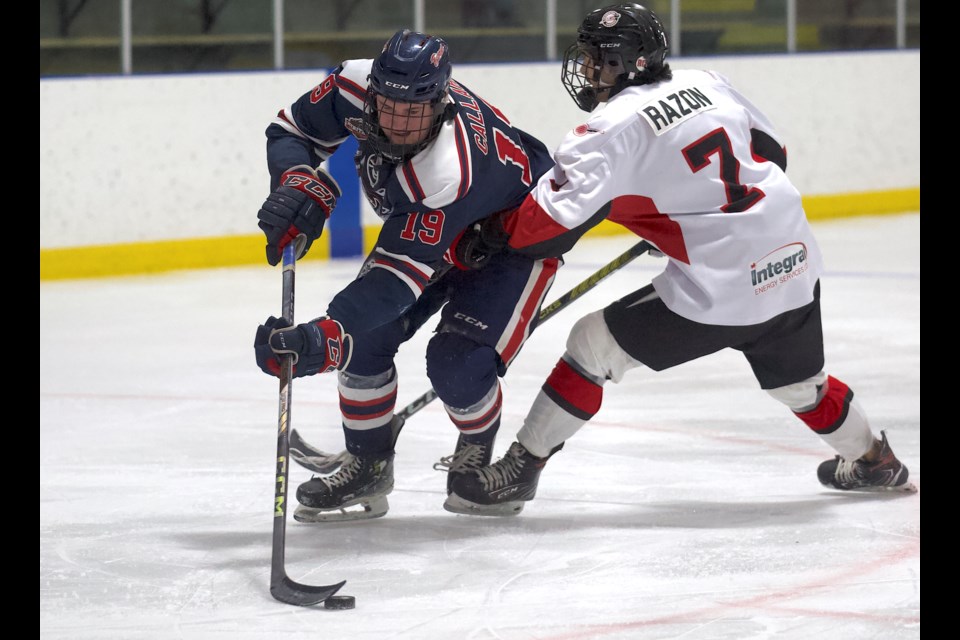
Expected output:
(152, 173)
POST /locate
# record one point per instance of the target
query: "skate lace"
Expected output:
(346, 473)
(467, 458)
(848, 472)
(505, 470)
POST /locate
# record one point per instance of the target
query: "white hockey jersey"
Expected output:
(695, 168)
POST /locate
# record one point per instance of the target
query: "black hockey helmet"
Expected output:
(625, 42)
(412, 68)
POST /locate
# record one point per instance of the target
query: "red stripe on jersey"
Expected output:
(584, 395)
(829, 415)
(640, 215)
(327, 150)
(404, 266)
(530, 224)
(495, 110)
(529, 311)
(283, 116)
(351, 87)
(462, 151)
(418, 278)
(411, 177)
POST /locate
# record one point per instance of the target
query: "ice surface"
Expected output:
(689, 508)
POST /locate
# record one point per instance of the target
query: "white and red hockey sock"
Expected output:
(839, 420)
(567, 400)
(367, 404)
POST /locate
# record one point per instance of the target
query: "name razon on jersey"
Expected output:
(666, 112)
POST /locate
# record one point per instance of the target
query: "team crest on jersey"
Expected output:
(584, 129)
(372, 167)
(610, 19)
(355, 126)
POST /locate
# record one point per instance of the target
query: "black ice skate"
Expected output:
(499, 489)
(468, 456)
(361, 480)
(885, 473)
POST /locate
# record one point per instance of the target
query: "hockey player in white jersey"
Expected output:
(688, 163)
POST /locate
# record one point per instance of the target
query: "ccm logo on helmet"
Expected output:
(397, 85)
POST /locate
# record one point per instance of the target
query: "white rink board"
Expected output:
(171, 157)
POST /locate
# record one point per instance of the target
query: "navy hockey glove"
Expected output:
(300, 205)
(479, 242)
(317, 346)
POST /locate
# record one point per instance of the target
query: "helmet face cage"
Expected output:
(405, 97)
(625, 42)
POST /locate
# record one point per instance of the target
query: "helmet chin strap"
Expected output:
(587, 99)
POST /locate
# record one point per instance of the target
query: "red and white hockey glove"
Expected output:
(300, 205)
(317, 346)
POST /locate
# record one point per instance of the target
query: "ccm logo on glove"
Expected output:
(299, 206)
(320, 192)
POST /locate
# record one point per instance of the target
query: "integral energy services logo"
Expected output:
(778, 267)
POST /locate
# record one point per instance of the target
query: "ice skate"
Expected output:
(886, 473)
(499, 489)
(357, 491)
(468, 456)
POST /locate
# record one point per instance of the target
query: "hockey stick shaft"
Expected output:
(552, 309)
(322, 462)
(281, 586)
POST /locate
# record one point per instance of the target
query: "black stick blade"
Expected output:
(302, 595)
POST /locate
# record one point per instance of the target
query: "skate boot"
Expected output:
(499, 489)
(468, 456)
(883, 473)
(361, 481)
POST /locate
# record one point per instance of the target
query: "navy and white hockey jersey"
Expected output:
(479, 164)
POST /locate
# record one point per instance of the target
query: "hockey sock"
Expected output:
(567, 400)
(480, 421)
(840, 421)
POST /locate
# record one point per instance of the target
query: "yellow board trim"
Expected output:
(162, 255)
(203, 253)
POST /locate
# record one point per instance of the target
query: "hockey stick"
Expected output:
(281, 586)
(320, 461)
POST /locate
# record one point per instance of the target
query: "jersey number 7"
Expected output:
(740, 197)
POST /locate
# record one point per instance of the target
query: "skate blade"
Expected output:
(456, 504)
(907, 487)
(361, 511)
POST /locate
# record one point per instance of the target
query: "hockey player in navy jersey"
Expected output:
(434, 160)
(685, 161)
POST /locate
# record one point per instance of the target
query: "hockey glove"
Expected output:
(300, 205)
(317, 346)
(479, 242)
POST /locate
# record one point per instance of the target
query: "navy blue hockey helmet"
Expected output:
(412, 68)
(622, 45)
